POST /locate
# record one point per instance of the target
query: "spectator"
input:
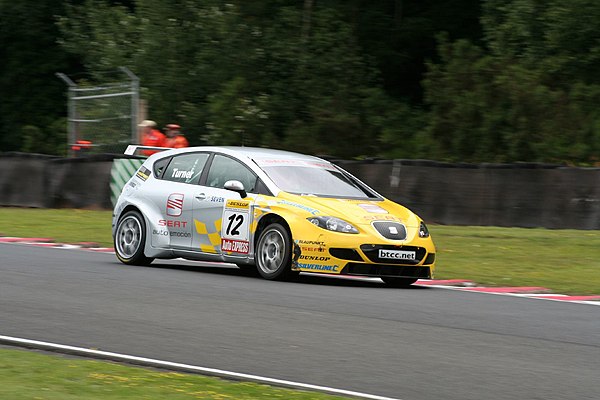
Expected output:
(175, 138)
(151, 136)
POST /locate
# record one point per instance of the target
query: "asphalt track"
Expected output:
(417, 343)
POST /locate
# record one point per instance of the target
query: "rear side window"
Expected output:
(185, 168)
(159, 167)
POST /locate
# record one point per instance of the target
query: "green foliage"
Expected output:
(32, 96)
(229, 82)
(333, 77)
(530, 97)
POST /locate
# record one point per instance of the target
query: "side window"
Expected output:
(186, 168)
(159, 166)
(223, 169)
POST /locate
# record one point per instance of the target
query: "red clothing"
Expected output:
(180, 141)
(155, 139)
(176, 142)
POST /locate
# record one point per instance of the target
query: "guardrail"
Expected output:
(520, 195)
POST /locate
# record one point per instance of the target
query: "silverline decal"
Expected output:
(318, 267)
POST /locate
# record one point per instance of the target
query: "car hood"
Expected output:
(360, 212)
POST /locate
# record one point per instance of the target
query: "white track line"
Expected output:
(150, 362)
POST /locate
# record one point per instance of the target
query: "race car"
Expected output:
(275, 211)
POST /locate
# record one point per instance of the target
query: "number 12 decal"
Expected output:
(239, 220)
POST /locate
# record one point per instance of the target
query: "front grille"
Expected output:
(377, 270)
(345, 254)
(390, 230)
(372, 252)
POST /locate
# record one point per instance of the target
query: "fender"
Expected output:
(151, 218)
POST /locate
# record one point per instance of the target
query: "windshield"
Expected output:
(311, 180)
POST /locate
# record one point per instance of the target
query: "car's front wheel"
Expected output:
(130, 238)
(398, 282)
(273, 253)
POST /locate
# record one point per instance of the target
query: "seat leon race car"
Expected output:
(276, 211)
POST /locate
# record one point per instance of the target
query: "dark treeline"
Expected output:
(456, 80)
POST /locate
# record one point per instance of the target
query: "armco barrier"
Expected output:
(80, 182)
(521, 195)
(24, 179)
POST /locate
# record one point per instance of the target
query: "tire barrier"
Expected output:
(519, 195)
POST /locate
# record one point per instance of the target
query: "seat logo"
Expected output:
(175, 205)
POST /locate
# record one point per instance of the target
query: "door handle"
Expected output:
(201, 196)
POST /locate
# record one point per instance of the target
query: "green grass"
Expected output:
(565, 261)
(63, 225)
(30, 375)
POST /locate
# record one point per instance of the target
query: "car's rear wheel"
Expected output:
(130, 238)
(273, 253)
(398, 282)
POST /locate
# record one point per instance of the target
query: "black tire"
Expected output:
(273, 253)
(130, 239)
(398, 282)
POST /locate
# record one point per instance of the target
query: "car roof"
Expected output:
(250, 152)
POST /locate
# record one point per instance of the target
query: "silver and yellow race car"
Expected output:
(278, 212)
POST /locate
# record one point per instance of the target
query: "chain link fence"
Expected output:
(103, 116)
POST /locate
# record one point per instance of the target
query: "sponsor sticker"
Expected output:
(235, 246)
(215, 199)
(380, 218)
(162, 232)
(303, 207)
(172, 223)
(294, 163)
(312, 242)
(372, 208)
(397, 254)
(143, 173)
(312, 249)
(318, 267)
(314, 258)
(175, 204)
(239, 204)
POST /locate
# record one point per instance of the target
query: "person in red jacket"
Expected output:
(175, 138)
(151, 136)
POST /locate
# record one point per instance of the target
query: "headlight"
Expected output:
(423, 231)
(333, 224)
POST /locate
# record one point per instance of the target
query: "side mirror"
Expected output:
(236, 186)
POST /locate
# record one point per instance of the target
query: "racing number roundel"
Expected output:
(235, 228)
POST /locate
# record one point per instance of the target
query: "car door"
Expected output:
(222, 219)
(173, 197)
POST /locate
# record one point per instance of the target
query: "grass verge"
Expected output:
(565, 261)
(31, 375)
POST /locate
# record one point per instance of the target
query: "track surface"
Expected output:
(418, 343)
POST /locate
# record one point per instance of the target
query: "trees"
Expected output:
(33, 99)
(529, 95)
(342, 78)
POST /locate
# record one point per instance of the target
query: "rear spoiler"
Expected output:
(132, 148)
